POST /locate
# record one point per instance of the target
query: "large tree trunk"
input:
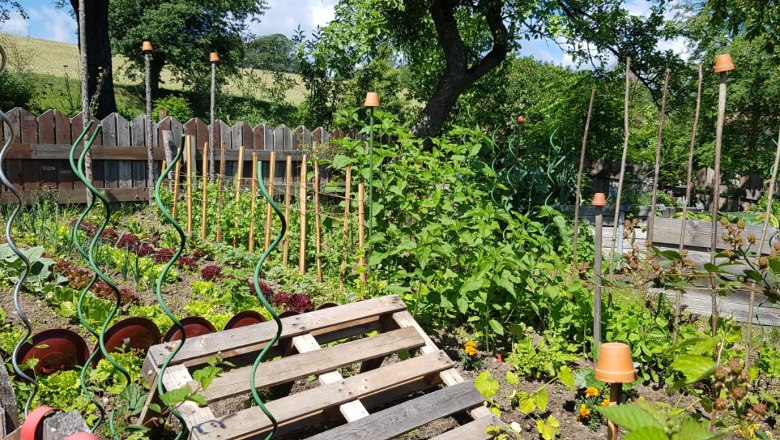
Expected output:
(156, 64)
(99, 68)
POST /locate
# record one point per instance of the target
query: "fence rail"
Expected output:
(38, 160)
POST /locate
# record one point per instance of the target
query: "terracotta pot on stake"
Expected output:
(723, 65)
(213, 59)
(599, 202)
(371, 102)
(146, 49)
(615, 367)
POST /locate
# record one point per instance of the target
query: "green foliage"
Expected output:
(271, 52)
(646, 422)
(12, 266)
(16, 91)
(543, 358)
(175, 106)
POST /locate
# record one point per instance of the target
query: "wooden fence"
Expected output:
(38, 160)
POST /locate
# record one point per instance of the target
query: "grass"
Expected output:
(49, 63)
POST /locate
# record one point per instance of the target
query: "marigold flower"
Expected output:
(584, 411)
(591, 392)
(606, 402)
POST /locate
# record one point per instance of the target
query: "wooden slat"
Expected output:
(79, 195)
(476, 430)
(245, 339)
(289, 368)
(110, 167)
(283, 138)
(697, 234)
(125, 168)
(176, 377)
(251, 422)
(61, 151)
(402, 418)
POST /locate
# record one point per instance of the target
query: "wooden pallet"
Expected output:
(361, 335)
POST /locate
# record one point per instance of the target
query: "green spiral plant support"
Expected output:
(261, 297)
(23, 277)
(98, 273)
(80, 249)
(161, 277)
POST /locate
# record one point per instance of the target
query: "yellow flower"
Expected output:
(606, 402)
(584, 411)
(591, 392)
(470, 348)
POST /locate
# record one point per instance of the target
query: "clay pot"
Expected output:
(327, 306)
(193, 326)
(599, 199)
(723, 63)
(214, 57)
(32, 428)
(288, 313)
(243, 319)
(82, 436)
(615, 364)
(372, 100)
(56, 349)
(146, 46)
(134, 333)
(521, 119)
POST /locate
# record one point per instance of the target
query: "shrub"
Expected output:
(175, 106)
(16, 91)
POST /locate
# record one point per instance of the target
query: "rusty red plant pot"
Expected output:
(193, 326)
(32, 428)
(56, 349)
(327, 306)
(136, 334)
(243, 319)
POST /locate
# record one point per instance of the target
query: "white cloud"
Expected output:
(284, 16)
(45, 22)
(16, 25)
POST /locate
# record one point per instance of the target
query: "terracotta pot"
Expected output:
(56, 349)
(146, 46)
(327, 306)
(599, 199)
(615, 364)
(214, 57)
(193, 326)
(521, 119)
(82, 436)
(32, 428)
(372, 100)
(243, 319)
(288, 313)
(136, 334)
(723, 63)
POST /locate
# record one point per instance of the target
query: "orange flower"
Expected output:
(591, 392)
(606, 402)
(470, 348)
(584, 411)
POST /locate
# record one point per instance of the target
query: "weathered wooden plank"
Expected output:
(252, 421)
(8, 401)
(302, 138)
(697, 234)
(176, 377)
(110, 167)
(46, 133)
(61, 151)
(123, 141)
(476, 430)
(138, 139)
(28, 128)
(61, 128)
(254, 337)
(79, 195)
(289, 368)
(283, 138)
(402, 418)
(320, 136)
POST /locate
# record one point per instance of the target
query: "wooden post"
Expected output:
(204, 169)
(176, 173)
(287, 200)
(302, 207)
(688, 181)
(347, 203)
(317, 225)
(626, 136)
(188, 144)
(220, 182)
(252, 205)
(657, 170)
(271, 174)
(578, 194)
(362, 230)
(239, 175)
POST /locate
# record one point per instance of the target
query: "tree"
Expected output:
(474, 38)
(7, 6)
(183, 32)
(271, 52)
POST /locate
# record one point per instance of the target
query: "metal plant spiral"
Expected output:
(161, 277)
(261, 297)
(80, 249)
(18, 287)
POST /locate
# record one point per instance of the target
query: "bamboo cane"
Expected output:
(362, 230)
(347, 203)
(204, 170)
(302, 207)
(317, 225)
(287, 200)
(271, 178)
(188, 184)
(578, 194)
(626, 137)
(219, 190)
(657, 169)
(238, 180)
(252, 206)
(176, 172)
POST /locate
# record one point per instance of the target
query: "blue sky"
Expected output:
(283, 16)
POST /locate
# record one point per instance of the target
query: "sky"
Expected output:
(283, 16)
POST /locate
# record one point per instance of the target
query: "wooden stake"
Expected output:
(689, 180)
(238, 179)
(204, 170)
(176, 172)
(188, 184)
(716, 193)
(287, 200)
(271, 178)
(626, 136)
(578, 194)
(302, 207)
(220, 182)
(317, 225)
(657, 170)
(347, 203)
(252, 206)
(362, 230)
